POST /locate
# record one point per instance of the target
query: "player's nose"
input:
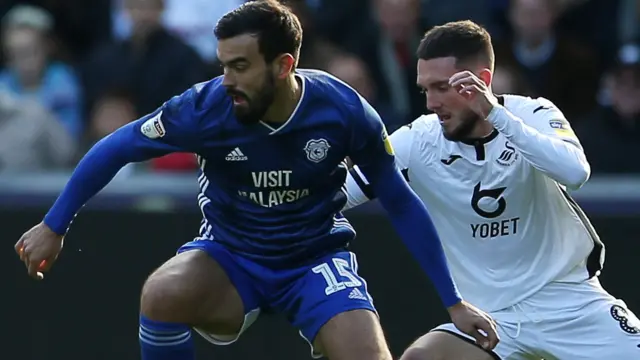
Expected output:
(433, 103)
(228, 81)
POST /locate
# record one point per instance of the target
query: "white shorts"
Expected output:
(566, 321)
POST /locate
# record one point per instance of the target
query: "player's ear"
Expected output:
(486, 75)
(284, 65)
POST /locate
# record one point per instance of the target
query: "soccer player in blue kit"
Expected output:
(271, 142)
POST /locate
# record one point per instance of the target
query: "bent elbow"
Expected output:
(579, 176)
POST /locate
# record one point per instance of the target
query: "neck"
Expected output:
(482, 129)
(286, 100)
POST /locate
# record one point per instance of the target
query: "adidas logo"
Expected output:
(357, 294)
(235, 155)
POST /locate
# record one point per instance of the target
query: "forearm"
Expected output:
(413, 224)
(561, 160)
(93, 173)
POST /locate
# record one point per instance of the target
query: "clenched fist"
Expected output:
(38, 248)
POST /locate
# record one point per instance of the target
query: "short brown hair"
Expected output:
(463, 40)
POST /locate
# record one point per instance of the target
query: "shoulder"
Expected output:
(327, 90)
(540, 112)
(531, 109)
(62, 79)
(206, 99)
(417, 139)
(426, 125)
(423, 130)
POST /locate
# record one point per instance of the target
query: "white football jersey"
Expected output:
(499, 204)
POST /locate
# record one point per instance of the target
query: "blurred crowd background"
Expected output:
(73, 71)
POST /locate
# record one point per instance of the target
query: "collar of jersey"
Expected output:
(295, 110)
(488, 138)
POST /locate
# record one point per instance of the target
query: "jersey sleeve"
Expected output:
(173, 127)
(357, 187)
(370, 144)
(549, 120)
(544, 138)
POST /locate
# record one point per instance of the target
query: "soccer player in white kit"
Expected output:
(494, 172)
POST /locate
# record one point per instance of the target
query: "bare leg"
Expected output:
(440, 345)
(355, 334)
(189, 290)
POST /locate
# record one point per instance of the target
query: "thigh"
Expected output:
(446, 342)
(604, 329)
(202, 286)
(353, 334)
(441, 344)
(329, 303)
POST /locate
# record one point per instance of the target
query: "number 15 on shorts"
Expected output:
(346, 273)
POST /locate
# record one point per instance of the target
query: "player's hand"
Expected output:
(38, 248)
(475, 323)
(471, 87)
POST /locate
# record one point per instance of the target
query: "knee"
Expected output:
(166, 296)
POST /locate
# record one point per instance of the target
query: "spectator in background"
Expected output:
(438, 12)
(114, 109)
(399, 38)
(31, 138)
(190, 20)
(354, 72)
(553, 65)
(509, 81)
(611, 136)
(315, 51)
(154, 64)
(31, 73)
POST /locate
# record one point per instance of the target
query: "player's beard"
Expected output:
(256, 106)
(468, 121)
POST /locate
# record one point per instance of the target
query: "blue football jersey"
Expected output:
(272, 194)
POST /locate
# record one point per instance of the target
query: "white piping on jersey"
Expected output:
(342, 223)
(362, 177)
(354, 266)
(295, 110)
(203, 200)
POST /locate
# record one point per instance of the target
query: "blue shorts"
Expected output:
(309, 296)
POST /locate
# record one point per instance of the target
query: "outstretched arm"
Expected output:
(170, 128)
